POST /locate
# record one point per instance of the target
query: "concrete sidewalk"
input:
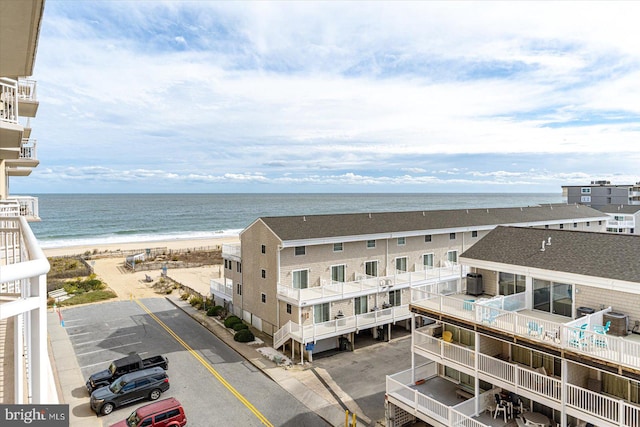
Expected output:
(300, 381)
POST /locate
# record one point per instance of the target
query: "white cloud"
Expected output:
(280, 93)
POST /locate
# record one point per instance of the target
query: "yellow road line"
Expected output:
(204, 363)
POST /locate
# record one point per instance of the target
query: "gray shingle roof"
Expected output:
(623, 209)
(326, 226)
(606, 255)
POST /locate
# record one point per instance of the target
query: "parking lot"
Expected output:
(215, 384)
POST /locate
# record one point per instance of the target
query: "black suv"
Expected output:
(145, 384)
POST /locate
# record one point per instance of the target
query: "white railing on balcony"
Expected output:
(367, 284)
(23, 269)
(27, 206)
(28, 149)
(221, 288)
(563, 335)
(231, 249)
(342, 325)
(8, 100)
(27, 89)
(445, 351)
(622, 224)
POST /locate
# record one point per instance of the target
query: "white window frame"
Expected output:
(337, 248)
(321, 313)
(585, 190)
(395, 263)
(372, 262)
(402, 241)
(455, 260)
(424, 259)
(295, 251)
(369, 246)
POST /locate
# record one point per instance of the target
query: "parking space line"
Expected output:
(110, 348)
(204, 363)
(80, 333)
(105, 339)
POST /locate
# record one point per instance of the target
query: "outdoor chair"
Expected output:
(501, 406)
(535, 329)
(602, 329)
(577, 340)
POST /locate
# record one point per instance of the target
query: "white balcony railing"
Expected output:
(25, 206)
(28, 149)
(231, 249)
(222, 289)
(570, 336)
(8, 100)
(27, 89)
(367, 284)
(23, 283)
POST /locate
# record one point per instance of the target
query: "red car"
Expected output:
(163, 413)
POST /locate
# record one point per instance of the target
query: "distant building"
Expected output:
(601, 193)
(623, 218)
(319, 282)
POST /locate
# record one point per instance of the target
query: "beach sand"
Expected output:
(169, 244)
(127, 284)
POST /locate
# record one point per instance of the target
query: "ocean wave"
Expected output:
(135, 238)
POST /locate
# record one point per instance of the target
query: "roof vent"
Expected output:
(304, 218)
(548, 241)
(487, 210)
(423, 214)
(542, 248)
(369, 215)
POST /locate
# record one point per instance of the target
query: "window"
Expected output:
(263, 297)
(263, 249)
(238, 288)
(321, 313)
(161, 417)
(371, 268)
(588, 223)
(599, 222)
(427, 238)
(452, 236)
(402, 241)
(561, 226)
(264, 273)
(147, 422)
(585, 190)
(371, 244)
(575, 225)
(300, 250)
(474, 233)
(427, 261)
(401, 264)
(300, 279)
(337, 273)
(239, 267)
(395, 298)
(452, 257)
(360, 305)
(226, 264)
(546, 226)
(289, 308)
(552, 297)
(337, 247)
(510, 284)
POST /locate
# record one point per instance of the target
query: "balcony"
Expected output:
(231, 251)
(10, 129)
(23, 296)
(27, 100)
(27, 156)
(422, 393)
(507, 314)
(364, 285)
(222, 290)
(24, 206)
(333, 328)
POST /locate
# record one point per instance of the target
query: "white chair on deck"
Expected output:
(501, 406)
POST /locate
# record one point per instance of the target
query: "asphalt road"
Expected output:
(215, 385)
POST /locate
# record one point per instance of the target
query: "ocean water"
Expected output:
(88, 219)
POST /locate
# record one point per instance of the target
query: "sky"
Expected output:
(399, 97)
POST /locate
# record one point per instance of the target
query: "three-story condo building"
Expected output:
(317, 282)
(553, 339)
(25, 371)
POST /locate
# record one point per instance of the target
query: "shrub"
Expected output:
(168, 291)
(185, 296)
(215, 311)
(231, 320)
(239, 326)
(196, 301)
(244, 335)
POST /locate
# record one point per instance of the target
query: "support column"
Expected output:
(301, 353)
(4, 181)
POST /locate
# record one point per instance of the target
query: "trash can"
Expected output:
(583, 311)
